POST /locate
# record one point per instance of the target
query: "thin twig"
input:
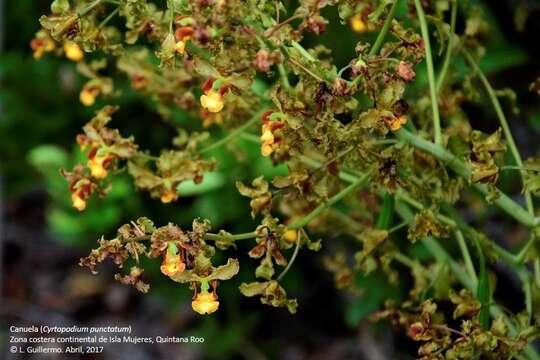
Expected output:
(293, 257)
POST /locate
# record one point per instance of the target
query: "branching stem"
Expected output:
(293, 257)
(449, 48)
(504, 123)
(430, 73)
(233, 134)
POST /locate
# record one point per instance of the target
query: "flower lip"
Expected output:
(78, 202)
(357, 24)
(168, 196)
(73, 52)
(212, 101)
(172, 264)
(205, 303)
(98, 165)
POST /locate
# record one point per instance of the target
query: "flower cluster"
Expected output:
(271, 140)
(348, 138)
(186, 258)
(106, 147)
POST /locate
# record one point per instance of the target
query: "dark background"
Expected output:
(42, 237)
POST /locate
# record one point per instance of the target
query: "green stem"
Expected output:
(504, 124)
(525, 278)
(520, 257)
(233, 134)
(303, 51)
(89, 8)
(511, 207)
(404, 259)
(503, 201)
(292, 259)
(380, 37)
(397, 227)
(170, 5)
(440, 254)
(430, 72)
(537, 272)
(235, 237)
(482, 288)
(466, 255)
(334, 199)
(108, 18)
(284, 77)
(450, 47)
(386, 26)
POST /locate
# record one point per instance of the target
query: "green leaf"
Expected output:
(211, 181)
(46, 157)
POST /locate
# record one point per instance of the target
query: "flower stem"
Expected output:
(233, 134)
(430, 72)
(235, 237)
(537, 272)
(380, 37)
(449, 48)
(503, 201)
(404, 260)
(504, 123)
(293, 257)
(89, 8)
(303, 51)
(384, 30)
(440, 254)
(507, 204)
(334, 199)
(284, 77)
(466, 255)
(108, 18)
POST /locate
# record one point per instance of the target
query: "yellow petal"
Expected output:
(73, 52)
(290, 235)
(168, 196)
(87, 97)
(266, 149)
(267, 136)
(357, 24)
(205, 303)
(96, 168)
(78, 202)
(212, 101)
(180, 47)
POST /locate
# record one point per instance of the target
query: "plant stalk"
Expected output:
(504, 124)
(430, 73)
